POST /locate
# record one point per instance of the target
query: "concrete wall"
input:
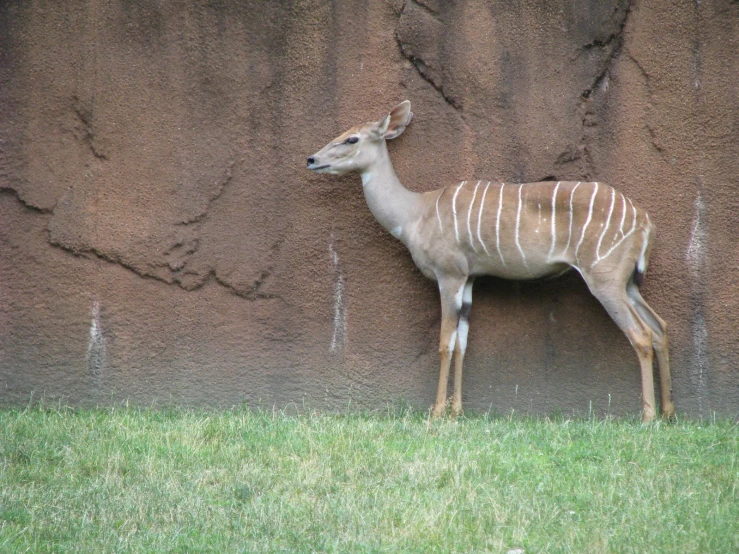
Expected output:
(161, 241)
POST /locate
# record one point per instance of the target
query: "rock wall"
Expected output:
(161, 241)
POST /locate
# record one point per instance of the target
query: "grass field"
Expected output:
(129, 480)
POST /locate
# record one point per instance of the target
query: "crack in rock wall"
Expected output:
(475, 58)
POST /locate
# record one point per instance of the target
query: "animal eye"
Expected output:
(352, 140)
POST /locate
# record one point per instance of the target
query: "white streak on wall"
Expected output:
(96, 345)
(338, 339)
(696, 258)
(696, 254)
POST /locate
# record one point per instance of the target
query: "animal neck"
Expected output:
(389, 201)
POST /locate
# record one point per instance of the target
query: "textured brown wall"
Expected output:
(161, 240)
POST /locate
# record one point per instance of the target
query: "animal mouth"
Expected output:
(318, 167)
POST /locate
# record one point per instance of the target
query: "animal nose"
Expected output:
(311, 160)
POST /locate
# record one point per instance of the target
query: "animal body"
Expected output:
(514, 231)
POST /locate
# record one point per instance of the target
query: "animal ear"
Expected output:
(396, 121)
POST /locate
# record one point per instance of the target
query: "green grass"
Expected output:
(129, 480)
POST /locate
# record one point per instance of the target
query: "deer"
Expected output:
(518, 231)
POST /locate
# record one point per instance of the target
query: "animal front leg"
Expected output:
(452, 291)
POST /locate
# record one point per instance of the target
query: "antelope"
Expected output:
(514, 231)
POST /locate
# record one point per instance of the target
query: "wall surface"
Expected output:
(161, 240)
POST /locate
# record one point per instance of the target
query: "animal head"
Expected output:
(357, 148)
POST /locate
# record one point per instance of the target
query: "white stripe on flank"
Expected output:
(497, 224)
(587, 221)
(469, 216)
(518, 221)
(454, 209)
(569, 233)
(538, 217)
(608, 223)
(479, 219)
(612, 248)
(438, 216)
(623, 214)
(554, 213)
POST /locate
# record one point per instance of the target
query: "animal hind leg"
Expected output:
(639, 334)
(661, 344)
